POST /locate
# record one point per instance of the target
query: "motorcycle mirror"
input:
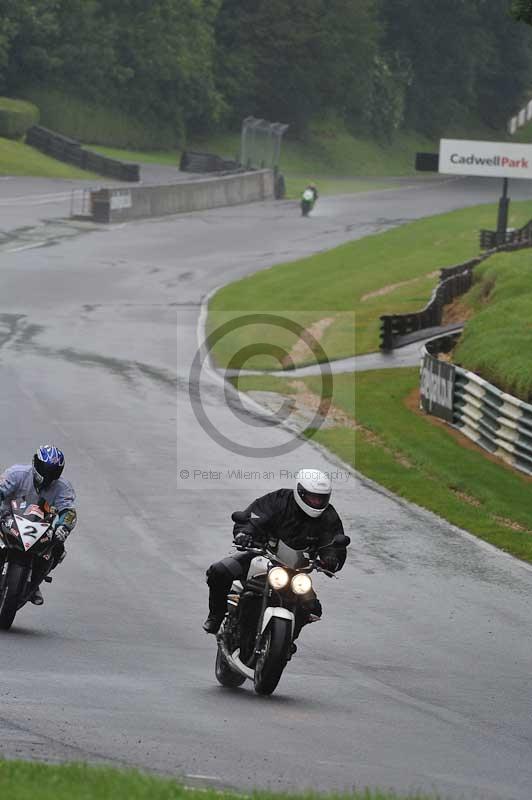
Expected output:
(240, 517)
(342, 540)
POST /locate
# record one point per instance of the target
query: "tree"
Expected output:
(348, 58)
(235, 62)
(26, 27)
(469, 61)
(164, 54)
(521, 11)
(504, 64)
(290, 61)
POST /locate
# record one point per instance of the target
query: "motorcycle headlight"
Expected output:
(278, 578)
(301, 583)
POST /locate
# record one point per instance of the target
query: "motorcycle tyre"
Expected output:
(224, 674)
(277, 640)
(10, 596)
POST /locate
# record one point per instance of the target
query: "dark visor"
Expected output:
(313, 499)
(49, 472)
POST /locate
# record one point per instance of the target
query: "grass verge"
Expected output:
(17, 158)
(67, 113)
(420, 458)
(394, 271)
(497, 341)
(25, 781)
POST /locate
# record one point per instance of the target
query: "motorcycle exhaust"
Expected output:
(234, 661)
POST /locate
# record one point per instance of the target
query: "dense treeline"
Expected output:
(522, 11)
(378, 65)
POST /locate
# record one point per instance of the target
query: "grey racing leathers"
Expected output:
(17, 481)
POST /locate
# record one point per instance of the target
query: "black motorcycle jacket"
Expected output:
(277, 516)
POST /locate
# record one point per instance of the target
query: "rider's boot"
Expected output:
(212, 623)
(219, 580)
(36, 598)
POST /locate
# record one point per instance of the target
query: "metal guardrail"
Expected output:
(71, 151)
(454, 281)
(498, 422)
(398, 329)
(513, 236)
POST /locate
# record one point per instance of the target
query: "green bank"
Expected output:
(17, 159)
(497, 340)
(25, 781)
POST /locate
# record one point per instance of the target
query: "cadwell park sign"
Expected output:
(486, 159)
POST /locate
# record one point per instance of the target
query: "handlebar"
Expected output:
(327, 572)
(260, 551)
(313, 563)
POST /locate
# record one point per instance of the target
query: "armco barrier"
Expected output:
(396, 329)
(70, 150)
(498, 422)
(400, 329)
(118, 205)
(490, 239)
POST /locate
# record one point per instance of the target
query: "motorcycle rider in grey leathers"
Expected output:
(41, 482)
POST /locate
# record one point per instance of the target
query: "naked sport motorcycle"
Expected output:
(308, 201)
(26, 554)
(256, 636)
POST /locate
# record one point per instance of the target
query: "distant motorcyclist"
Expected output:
(312, 188)
(41, 482)
(303, 519)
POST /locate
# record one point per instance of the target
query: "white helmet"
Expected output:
(312, 492)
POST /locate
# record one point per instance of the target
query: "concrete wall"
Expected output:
(120, 205)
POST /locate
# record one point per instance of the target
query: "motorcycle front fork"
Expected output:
(265, 598)
(3, 575)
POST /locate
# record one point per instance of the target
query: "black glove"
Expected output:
(61, 534)
(330, 563)
(244, 540)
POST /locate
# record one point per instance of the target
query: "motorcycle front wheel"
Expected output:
(274, 652)
(224, 674)
(9, 595)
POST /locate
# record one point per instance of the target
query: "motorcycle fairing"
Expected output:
(288, 557)
(259, 566)
(30, 522)
(30, 532)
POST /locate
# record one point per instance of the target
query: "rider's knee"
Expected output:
(218, 575)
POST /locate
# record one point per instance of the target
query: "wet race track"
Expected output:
(419, 677)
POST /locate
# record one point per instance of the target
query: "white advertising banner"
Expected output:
(488, 159)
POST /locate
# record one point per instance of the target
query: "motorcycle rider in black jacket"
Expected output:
(303, 519)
